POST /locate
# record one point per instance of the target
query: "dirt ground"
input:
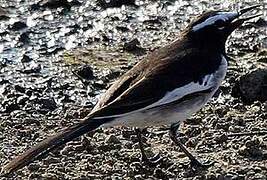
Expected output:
(57, 57)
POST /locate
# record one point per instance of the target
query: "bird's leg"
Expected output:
(194, 162)
(151, 161)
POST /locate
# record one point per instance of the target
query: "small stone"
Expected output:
(33, 167)
(32, 68)
(211, 176)
(18, 26)
(51, 160)
(251, 172)
(138, 177)
(221, 139)
(252, 148)
(128, 133)
(112, 139)
(257, 169)
(34, 176)
(25, 59)
(85, 72)
(50, 176)
(259, 176)
(19, 88)
(159, 173)
(53, 4)
(3, 11)
(12, 106)
(115, 3)
(133, 47)
(22, 100)
(192, 142)
(47, 103)
(24, 38)
(252, 87)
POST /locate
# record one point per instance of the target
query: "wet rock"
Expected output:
(19, 25)
(85, 72)
(134, 47)
(252, 87)
(115, 3)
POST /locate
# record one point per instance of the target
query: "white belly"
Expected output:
(159, 113)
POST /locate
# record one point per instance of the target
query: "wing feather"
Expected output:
(150, 81)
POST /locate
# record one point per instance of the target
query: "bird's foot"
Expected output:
(153, 161)
(197, 164)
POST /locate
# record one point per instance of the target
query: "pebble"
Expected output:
(25, 58)
(19, 25)
(115, 3)
(133, 46)
(51, 160)
(252, 87)
(22, 100)
(47, 103)
(33, 167)
(221, 138)
(112, 139)
(85, 72)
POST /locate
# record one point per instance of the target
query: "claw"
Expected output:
(153, 161)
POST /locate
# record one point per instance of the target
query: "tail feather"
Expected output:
(53, 142)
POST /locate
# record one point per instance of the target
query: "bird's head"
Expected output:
(213, 28)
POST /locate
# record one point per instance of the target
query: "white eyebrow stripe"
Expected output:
(211, 20)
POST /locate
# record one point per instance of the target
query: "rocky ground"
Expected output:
(56, 57)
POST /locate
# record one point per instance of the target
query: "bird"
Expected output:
(164, 88)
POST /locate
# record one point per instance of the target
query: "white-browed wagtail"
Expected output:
(164, 88)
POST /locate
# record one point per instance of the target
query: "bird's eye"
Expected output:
(220, 23)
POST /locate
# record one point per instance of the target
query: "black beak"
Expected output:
(238, 21)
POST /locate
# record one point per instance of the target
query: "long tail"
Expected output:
(51, 143)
